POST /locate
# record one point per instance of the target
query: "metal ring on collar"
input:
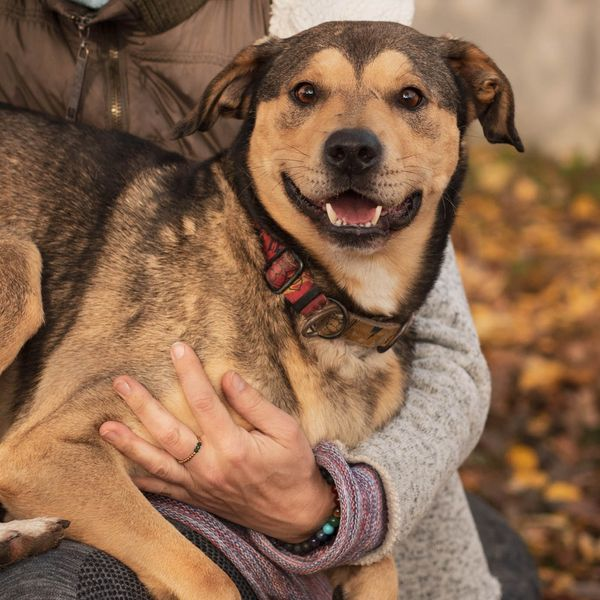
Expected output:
(329, 322)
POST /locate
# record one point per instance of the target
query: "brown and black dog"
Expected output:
(350, 156)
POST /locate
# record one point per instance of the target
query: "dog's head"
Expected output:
(356, 128)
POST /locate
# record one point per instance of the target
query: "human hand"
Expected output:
(265, 479)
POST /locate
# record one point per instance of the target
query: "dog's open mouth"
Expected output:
(352, 209)
(352, 214)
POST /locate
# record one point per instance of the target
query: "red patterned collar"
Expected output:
(325, 317)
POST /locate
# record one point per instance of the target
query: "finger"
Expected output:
(206, 406)
(259, 412)
(172, 435)
(155, 460)
(163, 488)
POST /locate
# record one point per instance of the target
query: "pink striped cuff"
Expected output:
(363, 519)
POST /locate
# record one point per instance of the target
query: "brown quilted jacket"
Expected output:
(134, 65)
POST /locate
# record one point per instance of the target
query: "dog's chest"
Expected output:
(342, 394)
(335, 392)
(372, 285)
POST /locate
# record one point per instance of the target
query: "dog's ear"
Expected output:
(490, 96)
(230, 92)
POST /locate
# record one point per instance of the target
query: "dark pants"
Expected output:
(77, 572)
(507, 555)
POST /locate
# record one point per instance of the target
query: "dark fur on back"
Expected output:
(79, 201)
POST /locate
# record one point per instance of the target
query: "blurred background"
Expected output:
(528, 240)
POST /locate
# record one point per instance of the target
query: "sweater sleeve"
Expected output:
(362, 518)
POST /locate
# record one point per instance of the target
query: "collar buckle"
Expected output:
(401, 331)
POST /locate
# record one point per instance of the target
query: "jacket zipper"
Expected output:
(83, 28)
(114, 81)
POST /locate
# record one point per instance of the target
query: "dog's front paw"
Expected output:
(19, 539)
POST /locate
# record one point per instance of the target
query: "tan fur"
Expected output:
(20, 296)
(175, 256)
(375, 581)
(7, 387)
(323, 420)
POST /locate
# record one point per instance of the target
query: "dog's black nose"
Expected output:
(352, 150)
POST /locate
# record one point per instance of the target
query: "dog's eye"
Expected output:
(305, 93)
(410, 98)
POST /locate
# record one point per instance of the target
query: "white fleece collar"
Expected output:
(291, 16)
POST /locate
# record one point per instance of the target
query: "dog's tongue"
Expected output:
(353, 208)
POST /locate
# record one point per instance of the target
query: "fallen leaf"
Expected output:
(584, 207)
(562, 491)
(539, 425)
(591, 245)
(562, 582)
(587, 547)
(541, 374)
(494, 176)
(522, 458)
(527, 480)
(526, 190)
(556, 521)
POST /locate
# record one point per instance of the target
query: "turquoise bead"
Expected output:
(328, 528)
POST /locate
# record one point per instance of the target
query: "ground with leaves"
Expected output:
(528, 242)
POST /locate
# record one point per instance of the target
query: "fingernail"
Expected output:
(178, 350)
(122, 387)
(238, 383)
(108, 435)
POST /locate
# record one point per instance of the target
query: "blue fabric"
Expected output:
(94, 4)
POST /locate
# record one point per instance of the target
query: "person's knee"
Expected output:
(54, 575)
(507, 556)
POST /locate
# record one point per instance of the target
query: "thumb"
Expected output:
(259, 412)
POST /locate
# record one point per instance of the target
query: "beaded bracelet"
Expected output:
(327, 531)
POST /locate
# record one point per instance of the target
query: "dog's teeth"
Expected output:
(375, 219)
(338, 222)
(331, 214)
(369, 224)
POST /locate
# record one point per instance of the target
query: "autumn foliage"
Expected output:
(528, 242)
